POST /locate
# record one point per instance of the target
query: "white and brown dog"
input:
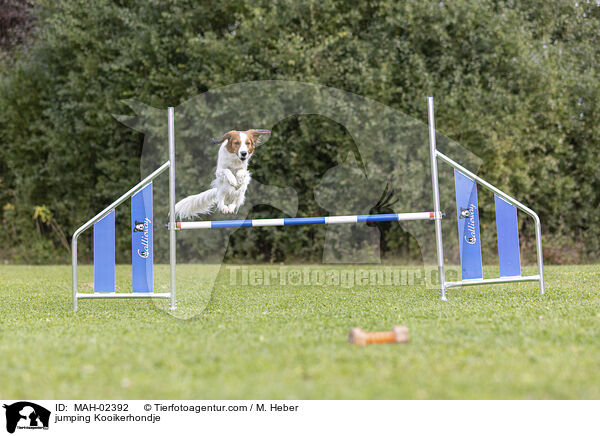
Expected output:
(228, 190)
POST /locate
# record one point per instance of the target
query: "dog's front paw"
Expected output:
(231, 208)
(232, 180)
(228, 175)
(243, 177)
(227, 208)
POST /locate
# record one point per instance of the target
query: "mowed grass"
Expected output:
(290, 342)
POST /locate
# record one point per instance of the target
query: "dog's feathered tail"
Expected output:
(198, 204)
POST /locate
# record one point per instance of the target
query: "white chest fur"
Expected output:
(231, 181)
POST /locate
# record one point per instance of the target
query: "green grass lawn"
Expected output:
(290, 342)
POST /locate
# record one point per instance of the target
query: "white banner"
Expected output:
(264, 417)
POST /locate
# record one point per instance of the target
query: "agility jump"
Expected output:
(467, 211)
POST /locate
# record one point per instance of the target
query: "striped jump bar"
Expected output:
(344, 219)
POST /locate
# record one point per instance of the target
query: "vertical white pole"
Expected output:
(436, 198)
(540, 254)
(74, 266)
(172, 224)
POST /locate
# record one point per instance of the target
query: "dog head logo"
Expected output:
(26, 415)
(139, 226)
(464, 213)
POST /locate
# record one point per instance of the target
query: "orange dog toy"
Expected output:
(399, 334)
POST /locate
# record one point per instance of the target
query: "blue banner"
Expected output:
(468, 226)
(507, 228)
(104, 254)
(141, 241)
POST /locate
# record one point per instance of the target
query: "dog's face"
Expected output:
(242, 143)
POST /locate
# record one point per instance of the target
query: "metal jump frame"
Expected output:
(436, 215)
(444, 285)
(170, 164)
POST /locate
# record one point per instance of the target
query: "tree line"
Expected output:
(516, 83)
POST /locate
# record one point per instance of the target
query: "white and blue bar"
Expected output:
(270, 222)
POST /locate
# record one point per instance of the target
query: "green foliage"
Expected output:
(517, 83)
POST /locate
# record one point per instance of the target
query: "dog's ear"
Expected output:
(227, 136)
(256, 135)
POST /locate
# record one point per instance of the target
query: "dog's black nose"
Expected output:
(243, 153)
